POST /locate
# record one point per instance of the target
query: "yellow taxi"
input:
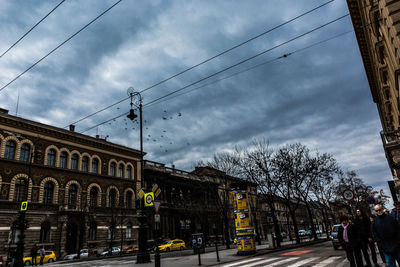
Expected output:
(49, 257)
(170, 245)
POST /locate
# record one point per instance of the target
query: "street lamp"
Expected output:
(143, 255)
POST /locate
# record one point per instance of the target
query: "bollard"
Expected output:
(157, 258)
(216, 249)
(198, 252)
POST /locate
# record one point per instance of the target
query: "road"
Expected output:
(318, 255)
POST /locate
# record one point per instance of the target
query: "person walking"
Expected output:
(41, 252)
(363, 227)
(386, 232)
(34, 255)
(349, 240)
(371, 243)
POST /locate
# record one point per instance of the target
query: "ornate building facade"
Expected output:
(377, 28)
(81, 190)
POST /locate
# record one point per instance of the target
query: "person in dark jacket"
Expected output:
(349, 240)
(34, 255)
(363, 226)
(371, 243)
(387, 235)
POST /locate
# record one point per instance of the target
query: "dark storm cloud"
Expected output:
(318, 96)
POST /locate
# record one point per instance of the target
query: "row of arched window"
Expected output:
(22, 150)
(21, 187)
(45, 232)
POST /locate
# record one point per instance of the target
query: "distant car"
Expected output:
(49, 257)
(318, 232)
(283, 235)
(302, 232)
(170, 245)
(334, 236)
(109, 252)
(84, 254)
(130, 250)
(308, 233)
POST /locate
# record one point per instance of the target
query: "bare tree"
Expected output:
(256, 166)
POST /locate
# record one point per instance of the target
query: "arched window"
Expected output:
(63, 159)
(25, 152)
(72, 195)
(129, 197)
(112, 197)
(112, 168)
(21, 190)
(94, 192)
(121, 170)
(129, 172)
(85, 164)
(51, 157)
(10, 149)
(92, 230)
(95, 165)
(74, 161)
(45, 232)
(129, 230)
(48, 192)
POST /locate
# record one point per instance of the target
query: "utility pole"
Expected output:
(22, 226)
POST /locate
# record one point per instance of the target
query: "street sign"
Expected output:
(155, 187)
(157, 218)
(157, 204)
(24, 206)
(149, 199)
(157, 193)
(140, 193)
(348, 195)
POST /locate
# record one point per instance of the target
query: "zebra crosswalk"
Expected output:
(290, 262)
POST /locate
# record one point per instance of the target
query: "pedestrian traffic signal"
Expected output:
(25, 224)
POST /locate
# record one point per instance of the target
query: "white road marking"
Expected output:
(278, 263)
(327, 262)
(240, 262)
(259, 262)
(299, 263)
(343, 263)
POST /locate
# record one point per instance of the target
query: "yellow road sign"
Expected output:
(24, 206)
(141, 193)
(149, 199)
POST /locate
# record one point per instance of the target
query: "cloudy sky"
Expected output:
(318, 96)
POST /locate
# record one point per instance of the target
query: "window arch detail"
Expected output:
(12, 186)
(4, 144)
(98, 193)
(112, 162)
(98, 166)
(78, 197)
(131, 169)
(56, 189)
(132, 204)
(19, 146)
(56, 163)
(78, 160)
(108, 194)
(64, 151)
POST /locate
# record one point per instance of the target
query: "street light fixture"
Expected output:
(143, 255)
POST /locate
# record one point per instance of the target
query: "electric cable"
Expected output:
(163, 98)
(72, 36)
(34, 26)
(207, 60)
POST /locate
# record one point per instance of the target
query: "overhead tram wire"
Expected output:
(162, 99)
(34, 26)
(207, 60)
(248, 69)
(250, 58)
(72, 36)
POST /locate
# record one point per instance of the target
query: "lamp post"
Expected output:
(143, 255)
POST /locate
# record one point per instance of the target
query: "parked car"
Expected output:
(130, 250)
(49, 257)
(283, 235)
(84, 254)
(170, 245)
(334, 236)
(318, 232)
(302, 232)
(308, 233)
(109, 252)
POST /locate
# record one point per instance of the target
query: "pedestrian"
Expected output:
(41, 253)
(1, 261)
(34, 255)
(362, 224)
(387, 235)
(349, 240)
(371, 244)
(396, 211)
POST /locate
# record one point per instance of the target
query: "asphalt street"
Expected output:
(319, 255)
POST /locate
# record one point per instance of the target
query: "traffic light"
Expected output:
(25, 224)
